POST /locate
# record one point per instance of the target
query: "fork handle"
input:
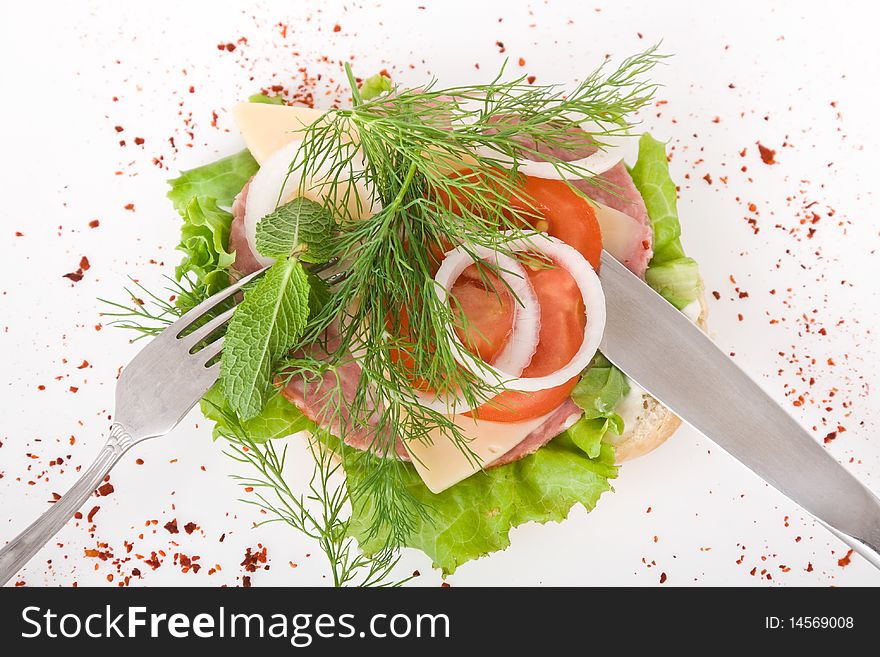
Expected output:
(19, 551)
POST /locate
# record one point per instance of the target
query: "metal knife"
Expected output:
(657, 346)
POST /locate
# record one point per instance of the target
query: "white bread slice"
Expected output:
(655, 423)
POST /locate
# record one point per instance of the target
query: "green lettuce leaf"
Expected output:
(221, 180)
(375, 86)
(474, 517)
(266, 100)
(266, 324)
(204, 237)
(279, 418)
(671, 273)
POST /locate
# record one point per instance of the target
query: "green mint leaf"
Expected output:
(375, 86)
(301, 222)
(264, 327)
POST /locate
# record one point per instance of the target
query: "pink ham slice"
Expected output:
(245, 262)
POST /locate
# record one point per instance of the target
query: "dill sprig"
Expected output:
(321, 513)
(408, 149)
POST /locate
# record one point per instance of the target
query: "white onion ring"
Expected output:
(594, 305)
(602, 160)
(271, 187)
(520, 347)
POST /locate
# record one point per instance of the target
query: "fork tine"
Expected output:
(181, 324)
(192, 339)
(203, 356)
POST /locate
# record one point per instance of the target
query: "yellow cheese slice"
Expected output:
(441, 464)
(619, 231)
(266, 128)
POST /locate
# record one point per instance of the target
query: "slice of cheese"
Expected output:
(441, 464)
(619, 231)
(266, 128)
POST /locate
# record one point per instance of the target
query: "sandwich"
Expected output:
(426, 311)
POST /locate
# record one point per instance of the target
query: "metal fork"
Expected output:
(153, 394)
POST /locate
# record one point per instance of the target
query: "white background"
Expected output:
(793, 73)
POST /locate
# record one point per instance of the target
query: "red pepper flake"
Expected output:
(153, 562)
(522, 62)
(662, 578)
(246, 582)
(105, 489)
(92, 513)
(229, 47)
(831, 436)
(41, 387)
(83, 365)
(767, 154)
(171, 527)
(139, 461)
(500, 45)
(531, 79)
(445, 585)
(846, 560)
(20, 583)
(190, 527)
(809, 567)
(73, 389)
(18, 233)
(94, 223)
(84, 264)
(252, 560)
(129, 206)
(75, 276)
(337, 28)
(708, 178)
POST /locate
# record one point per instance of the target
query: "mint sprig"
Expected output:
(265, 326)
(303, 225)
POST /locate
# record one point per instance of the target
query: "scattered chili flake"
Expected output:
(139, 461)
(522, 62)
(129, 206)
(190, 527)
(831, 436)
(252, 560)
(83, 365)
(767, 154)
(171, 527)
(337, 27)
(92, 513)
(708, 178)
(846, 560)
(531, 79)
(94, 223)
(246, 581)
(75, 276)
(662, 578)
(139, 141)
(18, 233)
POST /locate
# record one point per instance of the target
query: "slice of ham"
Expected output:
(565, 415)
(245, 262)
(327, 400)
(616, 189)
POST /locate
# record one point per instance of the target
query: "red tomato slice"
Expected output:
(570, 218)
(489, 309)
(563, 214)
(562, 331)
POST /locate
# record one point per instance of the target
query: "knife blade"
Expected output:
(658, 347)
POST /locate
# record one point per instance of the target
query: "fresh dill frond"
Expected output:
(322, 513)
